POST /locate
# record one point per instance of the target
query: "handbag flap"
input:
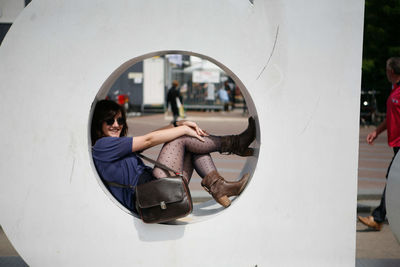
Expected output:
(163, 190)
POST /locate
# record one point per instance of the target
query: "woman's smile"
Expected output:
(114, 129)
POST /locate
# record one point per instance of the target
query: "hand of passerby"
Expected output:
(371, 137)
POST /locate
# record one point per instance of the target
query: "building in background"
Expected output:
(9, 11)
(143, 87)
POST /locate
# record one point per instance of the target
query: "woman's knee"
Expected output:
(177, 141)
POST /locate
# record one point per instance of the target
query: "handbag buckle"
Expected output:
(163, 205)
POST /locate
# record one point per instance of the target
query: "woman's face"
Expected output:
(113, 127)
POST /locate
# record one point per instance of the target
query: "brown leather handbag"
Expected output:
(165, 199)
(162, 200)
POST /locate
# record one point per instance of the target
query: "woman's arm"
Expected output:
(187, 123)
(169, 126)
(167, 134)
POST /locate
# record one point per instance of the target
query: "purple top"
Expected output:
(115, 162)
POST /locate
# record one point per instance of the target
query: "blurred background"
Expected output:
(381, 41)
(142, 89)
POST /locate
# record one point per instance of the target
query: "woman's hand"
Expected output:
(189, 131)
(194, 126)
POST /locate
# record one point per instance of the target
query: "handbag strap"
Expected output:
(119, 185)
(156, 163)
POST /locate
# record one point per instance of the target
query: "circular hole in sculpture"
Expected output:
(209, 94)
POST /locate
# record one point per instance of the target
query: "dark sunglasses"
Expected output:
(111, 121)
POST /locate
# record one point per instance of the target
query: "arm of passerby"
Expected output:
(373, 135)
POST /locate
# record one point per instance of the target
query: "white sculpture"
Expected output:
(299, 62)
(392, 198)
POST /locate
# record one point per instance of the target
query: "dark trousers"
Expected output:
(379, 213)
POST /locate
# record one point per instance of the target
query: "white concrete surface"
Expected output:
(10, 9)
(299, 65)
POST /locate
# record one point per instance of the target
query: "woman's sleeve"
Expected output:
(109, 149)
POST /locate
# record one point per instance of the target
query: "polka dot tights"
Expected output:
(186, 154)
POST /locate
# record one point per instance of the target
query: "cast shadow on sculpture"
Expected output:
(160, 232)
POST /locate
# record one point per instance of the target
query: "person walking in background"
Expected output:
(232, 96)
(173, 97)
(210, 94)
(392, 125)
(224, 96)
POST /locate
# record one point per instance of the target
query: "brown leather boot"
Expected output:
(239, 144)
(220, 189)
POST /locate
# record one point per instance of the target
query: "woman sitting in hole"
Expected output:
(186, 148)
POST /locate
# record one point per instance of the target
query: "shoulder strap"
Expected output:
(158, 164)
(119, 185)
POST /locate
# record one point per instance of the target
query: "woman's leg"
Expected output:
(172, 154)
(203, 164)
(183, 154)
(187, 168)
(214, 183)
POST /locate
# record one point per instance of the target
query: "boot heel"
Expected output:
(224, 201)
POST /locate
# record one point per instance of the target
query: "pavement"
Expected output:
(373, 249)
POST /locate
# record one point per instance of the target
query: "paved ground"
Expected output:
(373, 248)
(372, 166)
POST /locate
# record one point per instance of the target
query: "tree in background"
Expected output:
(381, 41)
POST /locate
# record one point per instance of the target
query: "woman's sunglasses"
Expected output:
(111, 121)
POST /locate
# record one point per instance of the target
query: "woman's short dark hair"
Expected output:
(104, 110)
